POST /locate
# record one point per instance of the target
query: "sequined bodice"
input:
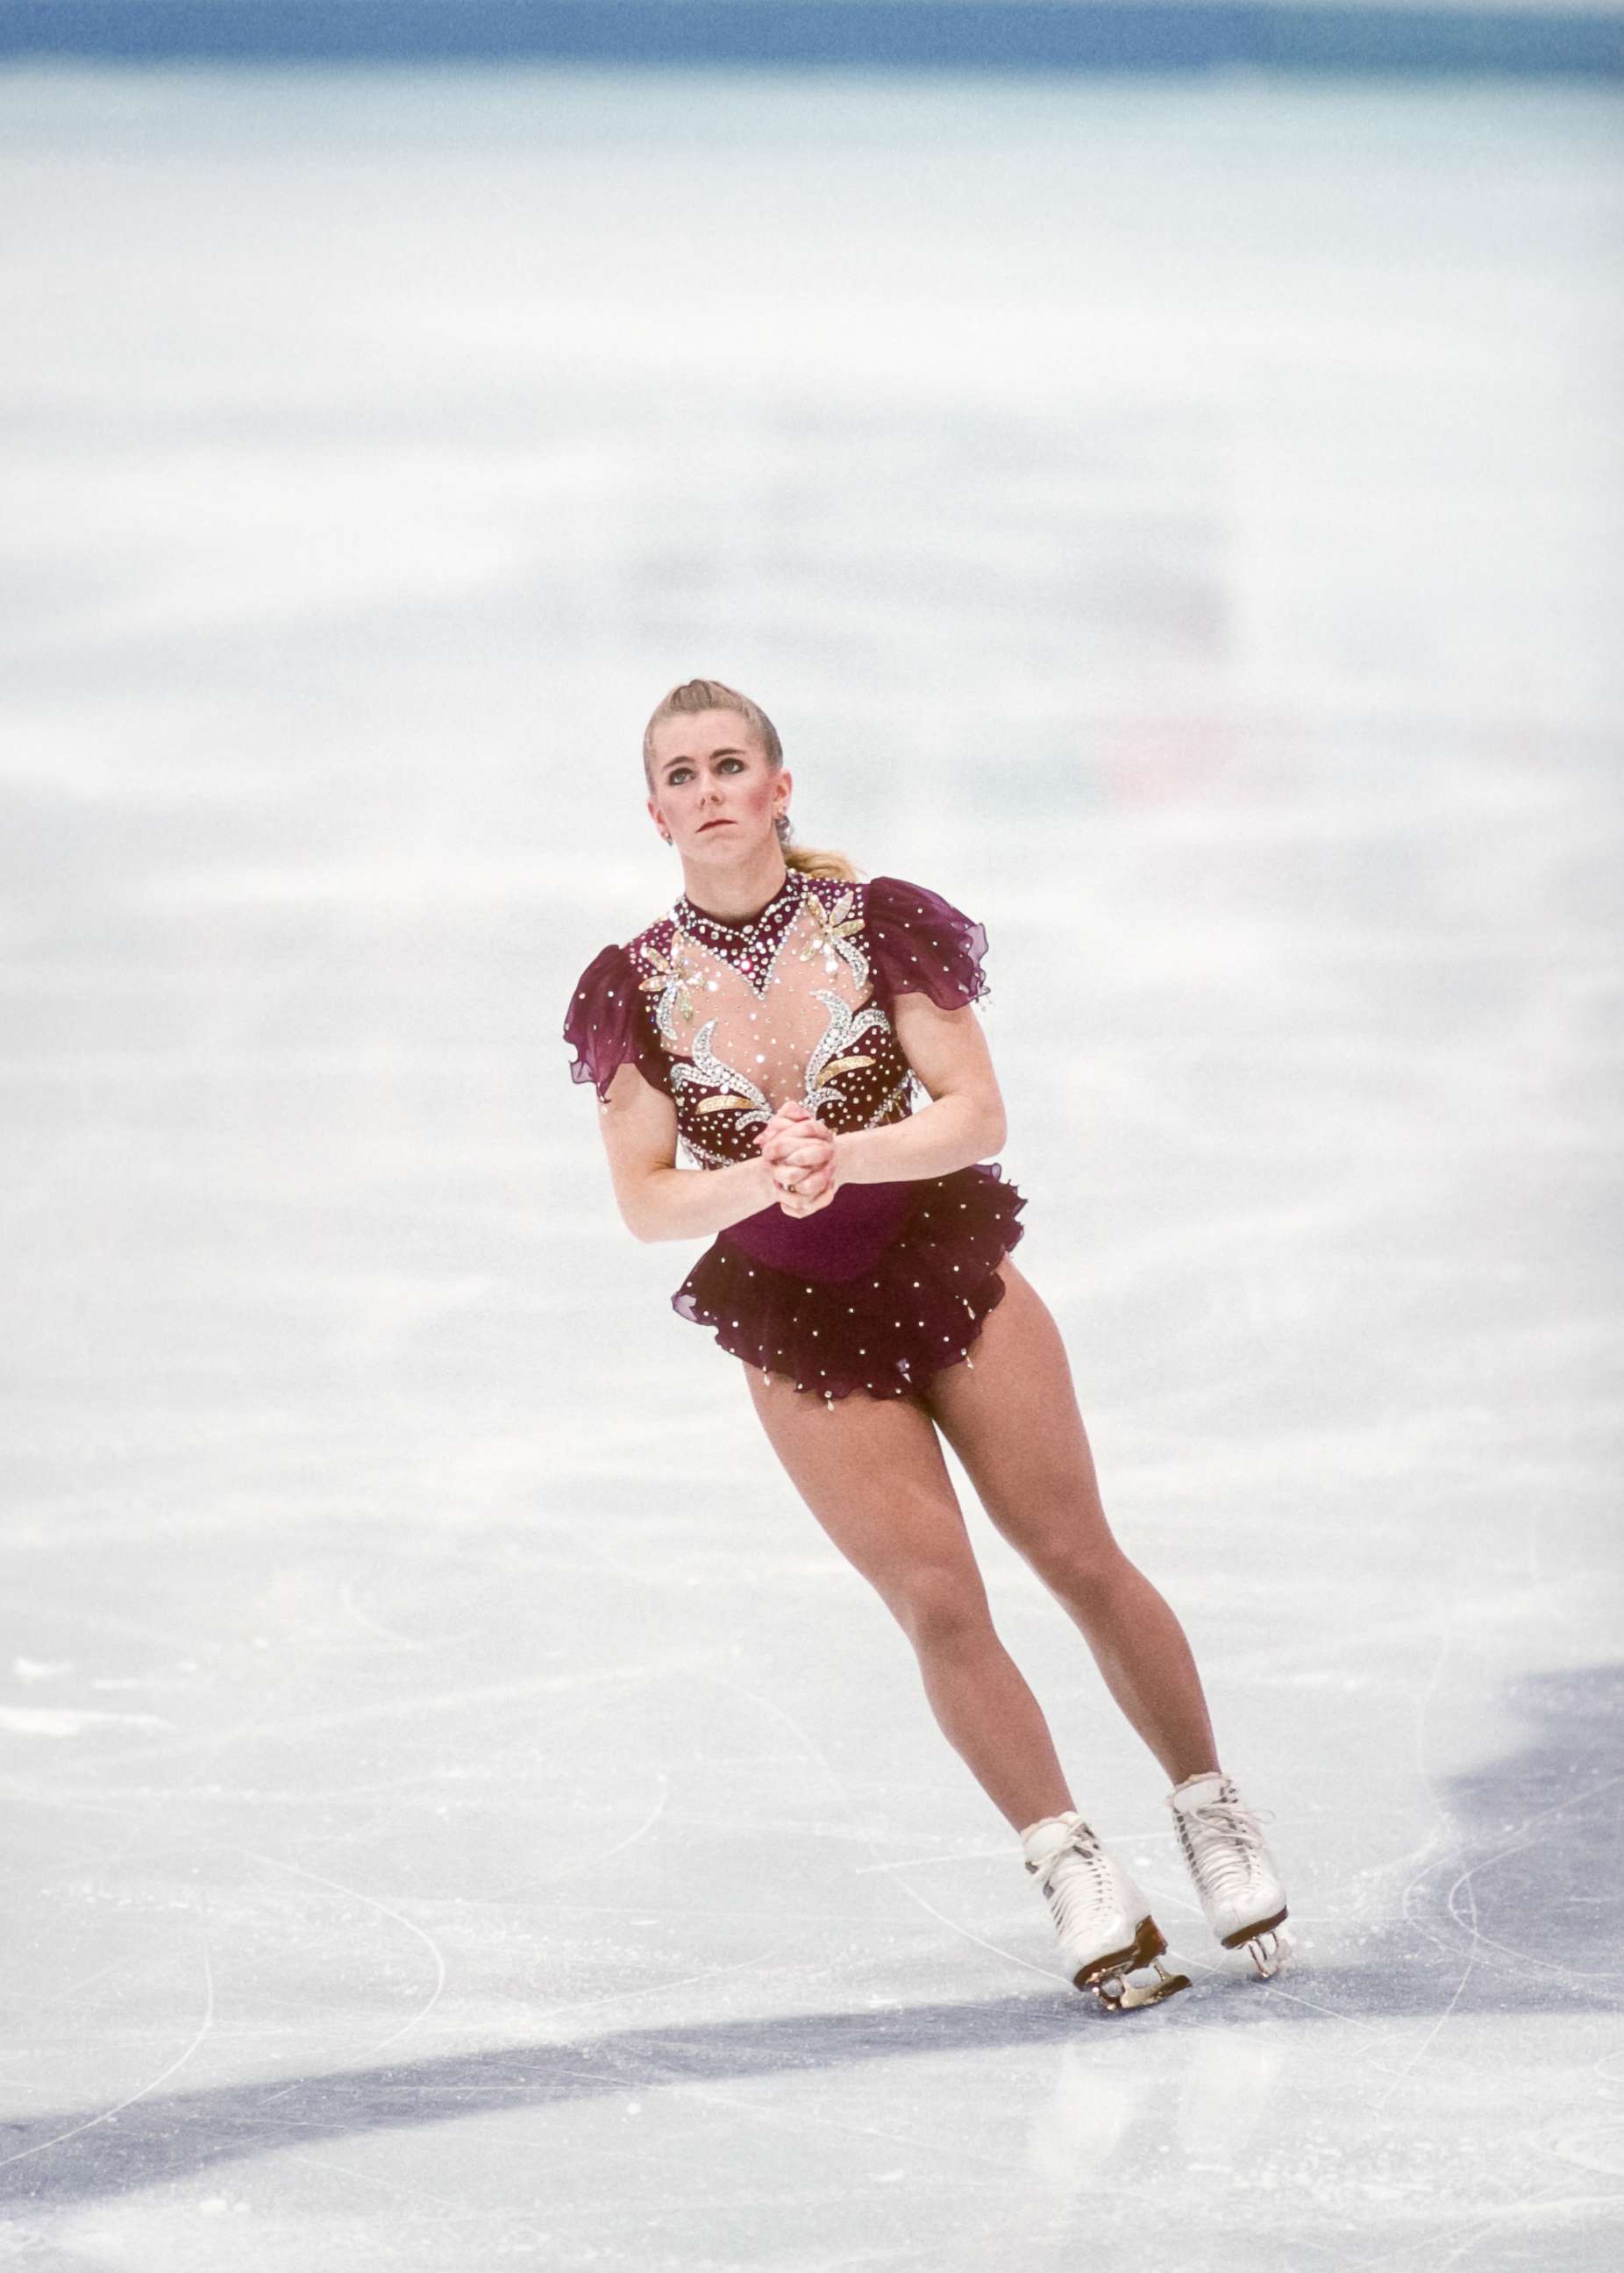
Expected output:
(752, 1014)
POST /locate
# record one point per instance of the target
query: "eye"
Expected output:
(736, 763)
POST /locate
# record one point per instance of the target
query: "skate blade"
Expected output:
(1119, 1993)
(1263, 1943)
(1269, 1952)
(1112, 1978)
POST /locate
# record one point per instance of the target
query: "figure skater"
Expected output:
(782, 1022)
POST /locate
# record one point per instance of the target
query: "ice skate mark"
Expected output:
(1569, 2149)
(700, 1980)
(1221, 1975)
(371, 2179)
(75, 1989)
(1551, 2203)
(369, 1624)
(1516, 1841)
(815, 1752)
(600, 1855)
(1439, 1817)
(397, 1708)
(372, 1902)
(928, 1861)
(1512, 1960)
(1427, 2041)
(1452, 1925)
(205, 1751)
(645, 1827)
(107, 2114)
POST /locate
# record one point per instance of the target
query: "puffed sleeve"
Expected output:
(608, 1026)
(919, 943)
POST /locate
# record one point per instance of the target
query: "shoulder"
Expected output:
(617, 977)
(607, 1022)
(894, 899)
(653, 941)
(923, 943)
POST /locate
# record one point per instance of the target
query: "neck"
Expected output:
(736, 894)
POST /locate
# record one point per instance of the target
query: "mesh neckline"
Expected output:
(692, 919)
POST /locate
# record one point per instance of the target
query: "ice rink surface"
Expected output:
(458, 1807)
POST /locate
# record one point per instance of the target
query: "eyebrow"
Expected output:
(728, 750)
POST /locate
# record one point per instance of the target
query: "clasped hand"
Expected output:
(800, 1152)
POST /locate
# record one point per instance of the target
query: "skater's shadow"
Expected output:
(184, 2132)
(1519, 1912)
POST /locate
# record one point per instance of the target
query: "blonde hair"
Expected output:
(696, 695)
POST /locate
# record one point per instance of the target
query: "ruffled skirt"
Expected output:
(918, 1305)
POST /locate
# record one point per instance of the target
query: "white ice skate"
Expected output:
(1233, 1871)
(1107, 1934)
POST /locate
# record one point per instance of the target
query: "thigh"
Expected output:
(1013, 1421)
(871, 1471)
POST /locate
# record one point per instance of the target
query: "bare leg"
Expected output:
(871, 1471)
(1013, 1421)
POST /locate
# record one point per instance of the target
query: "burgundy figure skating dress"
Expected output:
(889, 1282)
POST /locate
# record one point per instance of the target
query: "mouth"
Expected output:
(722, 823)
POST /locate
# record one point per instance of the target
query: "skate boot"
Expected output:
(1233, 1871)
(1107, 1934)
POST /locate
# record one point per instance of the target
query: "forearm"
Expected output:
(949, 1134)
(686, 1204)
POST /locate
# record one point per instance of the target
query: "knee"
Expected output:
(942, 1608)
(1086, 1579)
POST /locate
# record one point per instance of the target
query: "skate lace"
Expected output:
(1224, 1845)
(1079, 1883)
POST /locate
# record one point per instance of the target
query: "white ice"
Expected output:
(458, 1808)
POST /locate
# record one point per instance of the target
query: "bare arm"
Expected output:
(963, 1122)
(658, 1200)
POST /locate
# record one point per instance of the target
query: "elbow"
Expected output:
(993, 1127)
(641, 1198)
(638, 1216)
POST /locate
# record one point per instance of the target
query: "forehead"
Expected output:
(701, 735)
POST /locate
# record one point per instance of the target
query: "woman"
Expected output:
(778, 1022)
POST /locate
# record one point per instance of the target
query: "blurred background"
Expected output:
(1160, 468)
